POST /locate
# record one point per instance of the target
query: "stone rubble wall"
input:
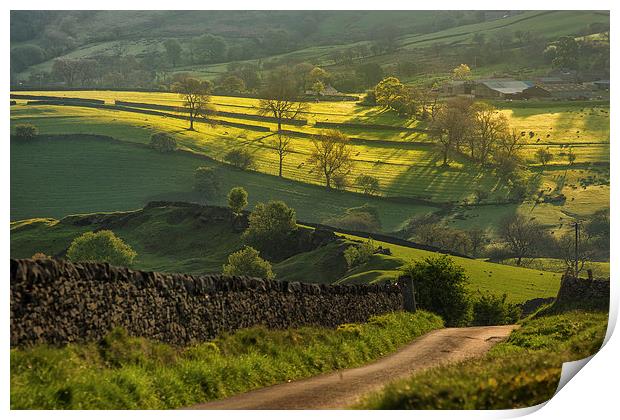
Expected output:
(59, 302)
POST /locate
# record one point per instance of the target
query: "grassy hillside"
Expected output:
(272, 37)
(53, 177)
(407, 164)
(176, 239)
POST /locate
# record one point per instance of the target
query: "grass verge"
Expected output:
(122, 372)
(521, 372)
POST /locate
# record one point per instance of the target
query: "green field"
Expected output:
(61, 176)
(404, 170)
(173, 239)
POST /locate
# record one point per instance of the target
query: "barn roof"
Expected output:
(506, 86)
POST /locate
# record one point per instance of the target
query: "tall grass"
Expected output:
(123, 372)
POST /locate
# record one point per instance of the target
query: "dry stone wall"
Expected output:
(579, 292)
(58, 302)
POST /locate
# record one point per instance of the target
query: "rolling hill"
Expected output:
(176, 238)
(319, 37)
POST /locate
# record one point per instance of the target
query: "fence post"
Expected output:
(409, 303)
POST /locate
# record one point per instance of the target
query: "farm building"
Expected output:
(456, 88)
(601, 84)
(558, 90)
(328, 91)
(500, 88)
(566, 90)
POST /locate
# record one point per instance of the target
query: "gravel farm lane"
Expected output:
(344, 388)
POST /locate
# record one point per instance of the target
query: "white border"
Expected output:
(592, 394)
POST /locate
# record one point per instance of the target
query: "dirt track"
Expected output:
(344, 388)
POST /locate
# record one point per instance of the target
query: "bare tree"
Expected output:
(331, 155)
(279, 100)
(506, 152)
(478, 240)
(575, 258)
(510, 144)
(452, 125)
(195, 94)
(488, 126)
(279, 97)
(283, 147)
(521, 235)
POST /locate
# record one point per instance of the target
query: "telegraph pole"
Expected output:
(576, 249)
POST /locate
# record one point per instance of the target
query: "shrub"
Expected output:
(489, 309)
(206, 181)
(163, 142)
(440, 288)
(26, 131)
(247, 262)
(241, 159)
(359, 254)
(237, 199)
(270, 227)
(103, 246)
(368, 184)
(340, 182)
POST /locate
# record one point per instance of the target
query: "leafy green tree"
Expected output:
(359, 254)
(390, 93)
(369, 73)
(270, 227)
(207, 48)
(26, 55)
(461, 72)
(489, 309)
(440, 287)
(173, 51)
(317, 74)
(206, 181)
(26, 131)
(102, 246)
(237, 199)
(233, 84)
(566, 53)
(247, 262)
(318, 87)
